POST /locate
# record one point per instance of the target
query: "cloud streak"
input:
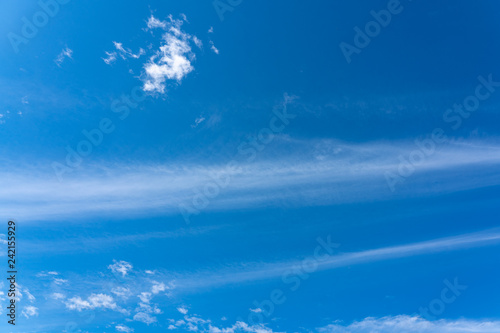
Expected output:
(314, 174)
(265, 271)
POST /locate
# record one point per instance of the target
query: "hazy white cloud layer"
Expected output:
(325, 173)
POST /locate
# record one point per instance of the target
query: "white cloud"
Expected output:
(262, 271)
(211, 30)
(57, 296)
(197, 42)
(213, 48)
(145, 297)
(122, 52)
(182, 310)
(198, 121)
(158, 287)
(125, 52)
(123, 328)
(154, 23)
(171, 62)
(408, 324)
(110, 57)
(145, 318)
(31, 298)
(299, 172)
(257, 310)
(121, 267)
(29, 311)
(60, 281)
(94, 301)
(77, 303)
(122, 292)
(65, 53)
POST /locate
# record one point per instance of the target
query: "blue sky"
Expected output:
(251, 166)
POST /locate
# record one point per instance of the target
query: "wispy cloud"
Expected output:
(213, 48)
(78, 244)
(122, 52)
(30, 311)
(198, 121)
(154, 23)
(311, 173)
(65, 53)
(250, 272)
(110, 57)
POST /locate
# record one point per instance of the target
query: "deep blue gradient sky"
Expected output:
(253, 142)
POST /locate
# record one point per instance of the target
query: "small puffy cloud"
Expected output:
(65, 53)
(77, 303)
(57, 296)
(94, 301)
(121, 267)
(413, 324)
(52, 273)
(145, 318)
(29, 311)
(257, 310)
(182, 310)
(123, 328)
(211, 30)
(171, 62)
(158, 287)
(145, 297)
